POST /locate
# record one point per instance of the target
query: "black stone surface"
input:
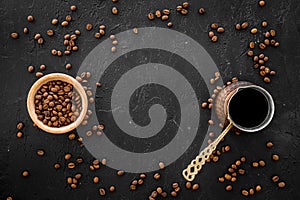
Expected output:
(229, 53)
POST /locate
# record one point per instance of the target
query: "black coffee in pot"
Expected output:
(248, 107)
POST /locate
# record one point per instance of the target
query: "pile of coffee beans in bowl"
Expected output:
(57, 104)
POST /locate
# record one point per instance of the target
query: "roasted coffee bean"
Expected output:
(157, 14)
(164, 17)
(156, 176)
(40, 152)
(132, 187)
(68, 18)
(161, 165)
(114, 10)
(220, 30)
(173, 194)
(245, 192)
(150, 16)
(184, 12)
(54, 21)
(20, 126)
(195, 186)
(166, 11)
(30, 18)
(185, 4)
(275, 179)
(96, 179)
(238, 27)
(258, 188)
(64, 23)
(214, 25)
(120, 173)
(142, 176)
(267, 80)
(71, 165)
(214, 38)
(73, 8)
(228, 188)
(244, 25)
(39, 74)
(169, 24)
(261, 3)
(255, 164)
(188, 185)
(25, 30)
(275, 157)
(25, 173)
(57, 166)
(251, 191)
(112, 188)
(19, 134)
(281, 184)
(14, 35)
(264, 24)
(89, 27)
(201, 11)
(253, 31)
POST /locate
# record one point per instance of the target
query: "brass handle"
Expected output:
(195, 166)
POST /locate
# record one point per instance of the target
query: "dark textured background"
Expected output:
(229, 54)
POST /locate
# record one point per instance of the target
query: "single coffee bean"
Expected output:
(132, 187)
(140, 181)
(150, 16)
(179, 8)
(96, 179)
(228, 188)
(184, 12)
(114, 10)
(245, 192)
(272, 33)
(264, 24)
(241, 171)
(201, 11)
(251, 45)
(262, 163)
(89, 27)
(40, 152)
(175, 185)
(195, 186)
(185, 4)
(57, 166)
(54, 21)
(64, 23)
(19, 134)
(214, 38)
(42, 67)
(261, 3)
(159, 190)
(71, 165)
(255, 164)
(210, 34)
(156, 176)
(220, 30)
(221, 179)
(258, 188)
(161, 165)
(188, 185)
(79, 160)
(14, 35)
(214, 25)
(169, 24)
(275, 157)
(112, 188)
(73, 8)
(238, 27)
(39, 74)
(73, 186)
(275, 179)
(25, 173)
(164, 17)
(120, 173)
(157, 14)
(267, 80)
(25, 30)
(173, 194)
(68, 156)
(166, 11)
(113, 49)
(281, 184)
(134, 182)
(68, 66)
(142, 176)
(254, 31)
(251, 191)
(20, 126)
(30, 18)
(244, 25)
(68, 18)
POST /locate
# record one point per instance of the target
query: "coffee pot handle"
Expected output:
(195, 166)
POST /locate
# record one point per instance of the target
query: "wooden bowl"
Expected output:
(55, 77)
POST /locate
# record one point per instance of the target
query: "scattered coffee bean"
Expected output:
(173, 194)
(120, 173)
(228, 188)
(214, 38)
(254, 31)
(164, 17)
(20, 126)
(244, 25)
(261, 3)
(245, 192)
(258, 188)
(19, 134)
(30, 18)
(114, 10)
(71, 165)
(255, 164)
(39, 74)
(96, 179)
(214, 25)
(161, 165)
(188, 185)
(275, 179)
(40, 152)
(73, 8)
(156, 176)
(238, 27)
(281, 184)
(220, 30)
(14, 35)
(264, 24)
(64, 23)
(113, 49)
(251, 191)
(54, 21)
(112, 188)
(195, 186)
(89, 27)
(150, 16)
(262, 163)
(169, 24)
(68, 66)
(25, 173)
(142, 176)
(50, 32)
(267, 80)
(184, 12)
(132, 187)
(157, 13)
(201, 11)
(275, 157)
(57, 166)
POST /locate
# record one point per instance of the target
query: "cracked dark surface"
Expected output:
(229, 53)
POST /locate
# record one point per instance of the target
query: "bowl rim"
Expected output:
(55, 77)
